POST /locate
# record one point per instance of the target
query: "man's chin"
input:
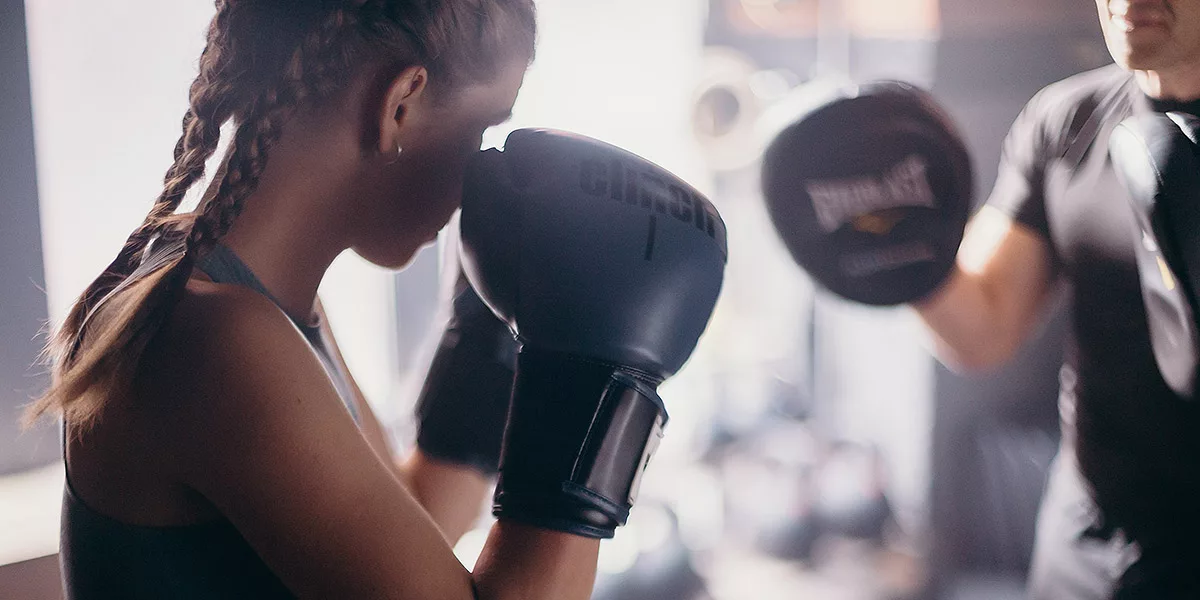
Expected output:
(1139, 55)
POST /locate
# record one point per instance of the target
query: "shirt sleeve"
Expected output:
(1020, 182)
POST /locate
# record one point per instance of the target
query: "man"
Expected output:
(1121, 515)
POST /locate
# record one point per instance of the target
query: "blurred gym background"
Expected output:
(816, 450)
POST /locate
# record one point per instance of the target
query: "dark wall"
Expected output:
(993, 56)
(22, 301)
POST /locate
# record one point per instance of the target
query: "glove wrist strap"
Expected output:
(579, 437)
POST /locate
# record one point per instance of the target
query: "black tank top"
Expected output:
(103, 558)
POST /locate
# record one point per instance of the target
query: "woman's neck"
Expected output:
(287, 245)
(296, 222)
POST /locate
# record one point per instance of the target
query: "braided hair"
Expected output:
(263, 60)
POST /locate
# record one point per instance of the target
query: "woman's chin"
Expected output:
(393, 259)
(396, 252)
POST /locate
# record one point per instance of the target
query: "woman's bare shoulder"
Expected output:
(262, 435)
(227, 364)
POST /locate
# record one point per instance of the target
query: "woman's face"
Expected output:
(422, 188)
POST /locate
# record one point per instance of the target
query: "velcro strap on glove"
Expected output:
(579, 437)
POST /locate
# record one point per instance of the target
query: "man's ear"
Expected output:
(400, 107)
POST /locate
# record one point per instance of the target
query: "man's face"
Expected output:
(1152, 35)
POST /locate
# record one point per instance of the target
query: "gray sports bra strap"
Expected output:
(223, 266)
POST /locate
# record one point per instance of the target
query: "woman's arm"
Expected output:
(257, 429)
(452, 494)
(521, 562)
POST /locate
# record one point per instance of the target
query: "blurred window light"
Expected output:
(786, 18)
(903, 19)
(30, 513)
(470, 546)
(619, 554)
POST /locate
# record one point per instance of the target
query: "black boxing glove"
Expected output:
(607, 267)
(870, 191)
(463, 404)
(1155, 157)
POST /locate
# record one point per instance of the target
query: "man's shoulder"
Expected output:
(1081, 87)
(1065, 106)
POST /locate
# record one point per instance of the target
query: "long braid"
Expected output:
(201, 135)
(268, 112)
(247, 161)
(262, 61)
(199, 141)
(162, 289)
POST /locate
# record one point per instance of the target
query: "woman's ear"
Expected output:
(400, 108)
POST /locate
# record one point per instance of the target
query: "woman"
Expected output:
(216, 445)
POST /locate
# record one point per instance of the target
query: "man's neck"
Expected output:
(1182, 83)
